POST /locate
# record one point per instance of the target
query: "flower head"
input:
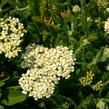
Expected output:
(97, 86)
(46, 67)
(76, 9)
(106, 26)
(101, 104)
(87, 80)
(102, 3)
(11, 35)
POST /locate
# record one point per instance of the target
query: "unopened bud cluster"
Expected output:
(11, 32)
(46, 67)
(97, 86)
(101, 104)
(102, 3)
(88, 79)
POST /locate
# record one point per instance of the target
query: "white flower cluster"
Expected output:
(46, 67)
(106, 26)
(11, 32)
(76, 9)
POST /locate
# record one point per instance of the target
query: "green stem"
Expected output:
(105, 100)
(96, 58)
(84, 17)
(103, 87)
(80, 47)
(71, 101)
(19, 9)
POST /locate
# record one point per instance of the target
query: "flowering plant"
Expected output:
(54, 54)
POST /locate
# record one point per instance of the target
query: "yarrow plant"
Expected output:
(46, 76)
(46, 67)
(11, 33)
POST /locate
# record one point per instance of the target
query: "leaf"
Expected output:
(14, 96)
(3, 2)
(14, 88)
(2, 83)
(1, 107)
(87, 103)
(60, 102)
(4, 78)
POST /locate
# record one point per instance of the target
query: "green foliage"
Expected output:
(87, 103)
(2, 81)
(14, 96)
(1, 107)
